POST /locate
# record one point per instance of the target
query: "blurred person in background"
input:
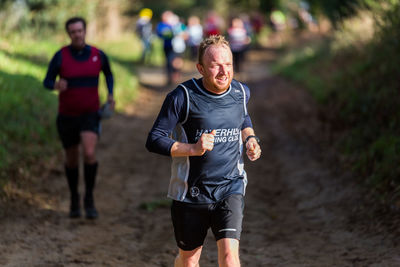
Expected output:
(166, 33)
(195, 36)
(247, 24)
(306, 18)
(178, 46)
(239, 41)
(257, 22)
(213, 24)
(144, 30)
(78, 66)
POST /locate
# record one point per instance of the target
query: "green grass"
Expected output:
(123, 58)
(151, 206)
(28, 110)
(303, 64)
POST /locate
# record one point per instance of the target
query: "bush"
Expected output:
(357, 82)
(26, 110)
(369, 102)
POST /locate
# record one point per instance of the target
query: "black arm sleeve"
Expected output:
(247, 120)
(53, 70)
(172, 112)
(105, 67)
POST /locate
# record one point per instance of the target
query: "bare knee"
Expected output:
(188, 258)
(89, 155)
(229, 259)
(89, 141)
(228, 252)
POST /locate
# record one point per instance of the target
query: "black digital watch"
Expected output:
(251, 136)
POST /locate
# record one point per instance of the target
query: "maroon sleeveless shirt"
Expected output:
(82, 94)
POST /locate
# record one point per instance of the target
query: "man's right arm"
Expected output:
(52, 72)
(205, 143)
(171, 113)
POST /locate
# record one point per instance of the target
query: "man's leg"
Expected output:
(72, 173)
(191, 223)
(68, 131)
(72, 156)
(188, 258)
(228, 252)
(89, 142)
(169, 57)
(227, 229)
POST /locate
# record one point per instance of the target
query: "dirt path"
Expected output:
(298, 202)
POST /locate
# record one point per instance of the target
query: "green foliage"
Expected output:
(303, 62)
(26, 131)
(185, 8)
(373, 103)
(337, 10)
(48, 16)
(122, 54)
(42, 17)
(360, 92)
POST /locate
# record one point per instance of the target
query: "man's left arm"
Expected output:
(105, 67)
(250, 140)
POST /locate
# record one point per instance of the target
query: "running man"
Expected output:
(78, 66)
(204, 126)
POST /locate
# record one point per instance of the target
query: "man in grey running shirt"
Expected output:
(204, 126)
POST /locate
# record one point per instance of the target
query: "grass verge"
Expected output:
(357, 88)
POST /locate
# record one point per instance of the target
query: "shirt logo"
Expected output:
(194, 191)
(94, 58)
(221, 135)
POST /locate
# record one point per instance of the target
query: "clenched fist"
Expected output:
(205, 143)
(61, 85)
(253, 149)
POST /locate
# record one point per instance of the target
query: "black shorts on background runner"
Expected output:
(191, 221)
(70, 127)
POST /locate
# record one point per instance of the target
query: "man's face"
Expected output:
(217, 68)
(77, 33)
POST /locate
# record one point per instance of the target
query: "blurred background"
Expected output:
(345, 52)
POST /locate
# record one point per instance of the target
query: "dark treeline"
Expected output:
(46, 16)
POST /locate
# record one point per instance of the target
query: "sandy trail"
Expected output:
(298, 202)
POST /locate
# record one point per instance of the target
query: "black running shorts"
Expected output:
(70, 127)
(191, 221)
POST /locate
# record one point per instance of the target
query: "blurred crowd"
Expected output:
(181, 38)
